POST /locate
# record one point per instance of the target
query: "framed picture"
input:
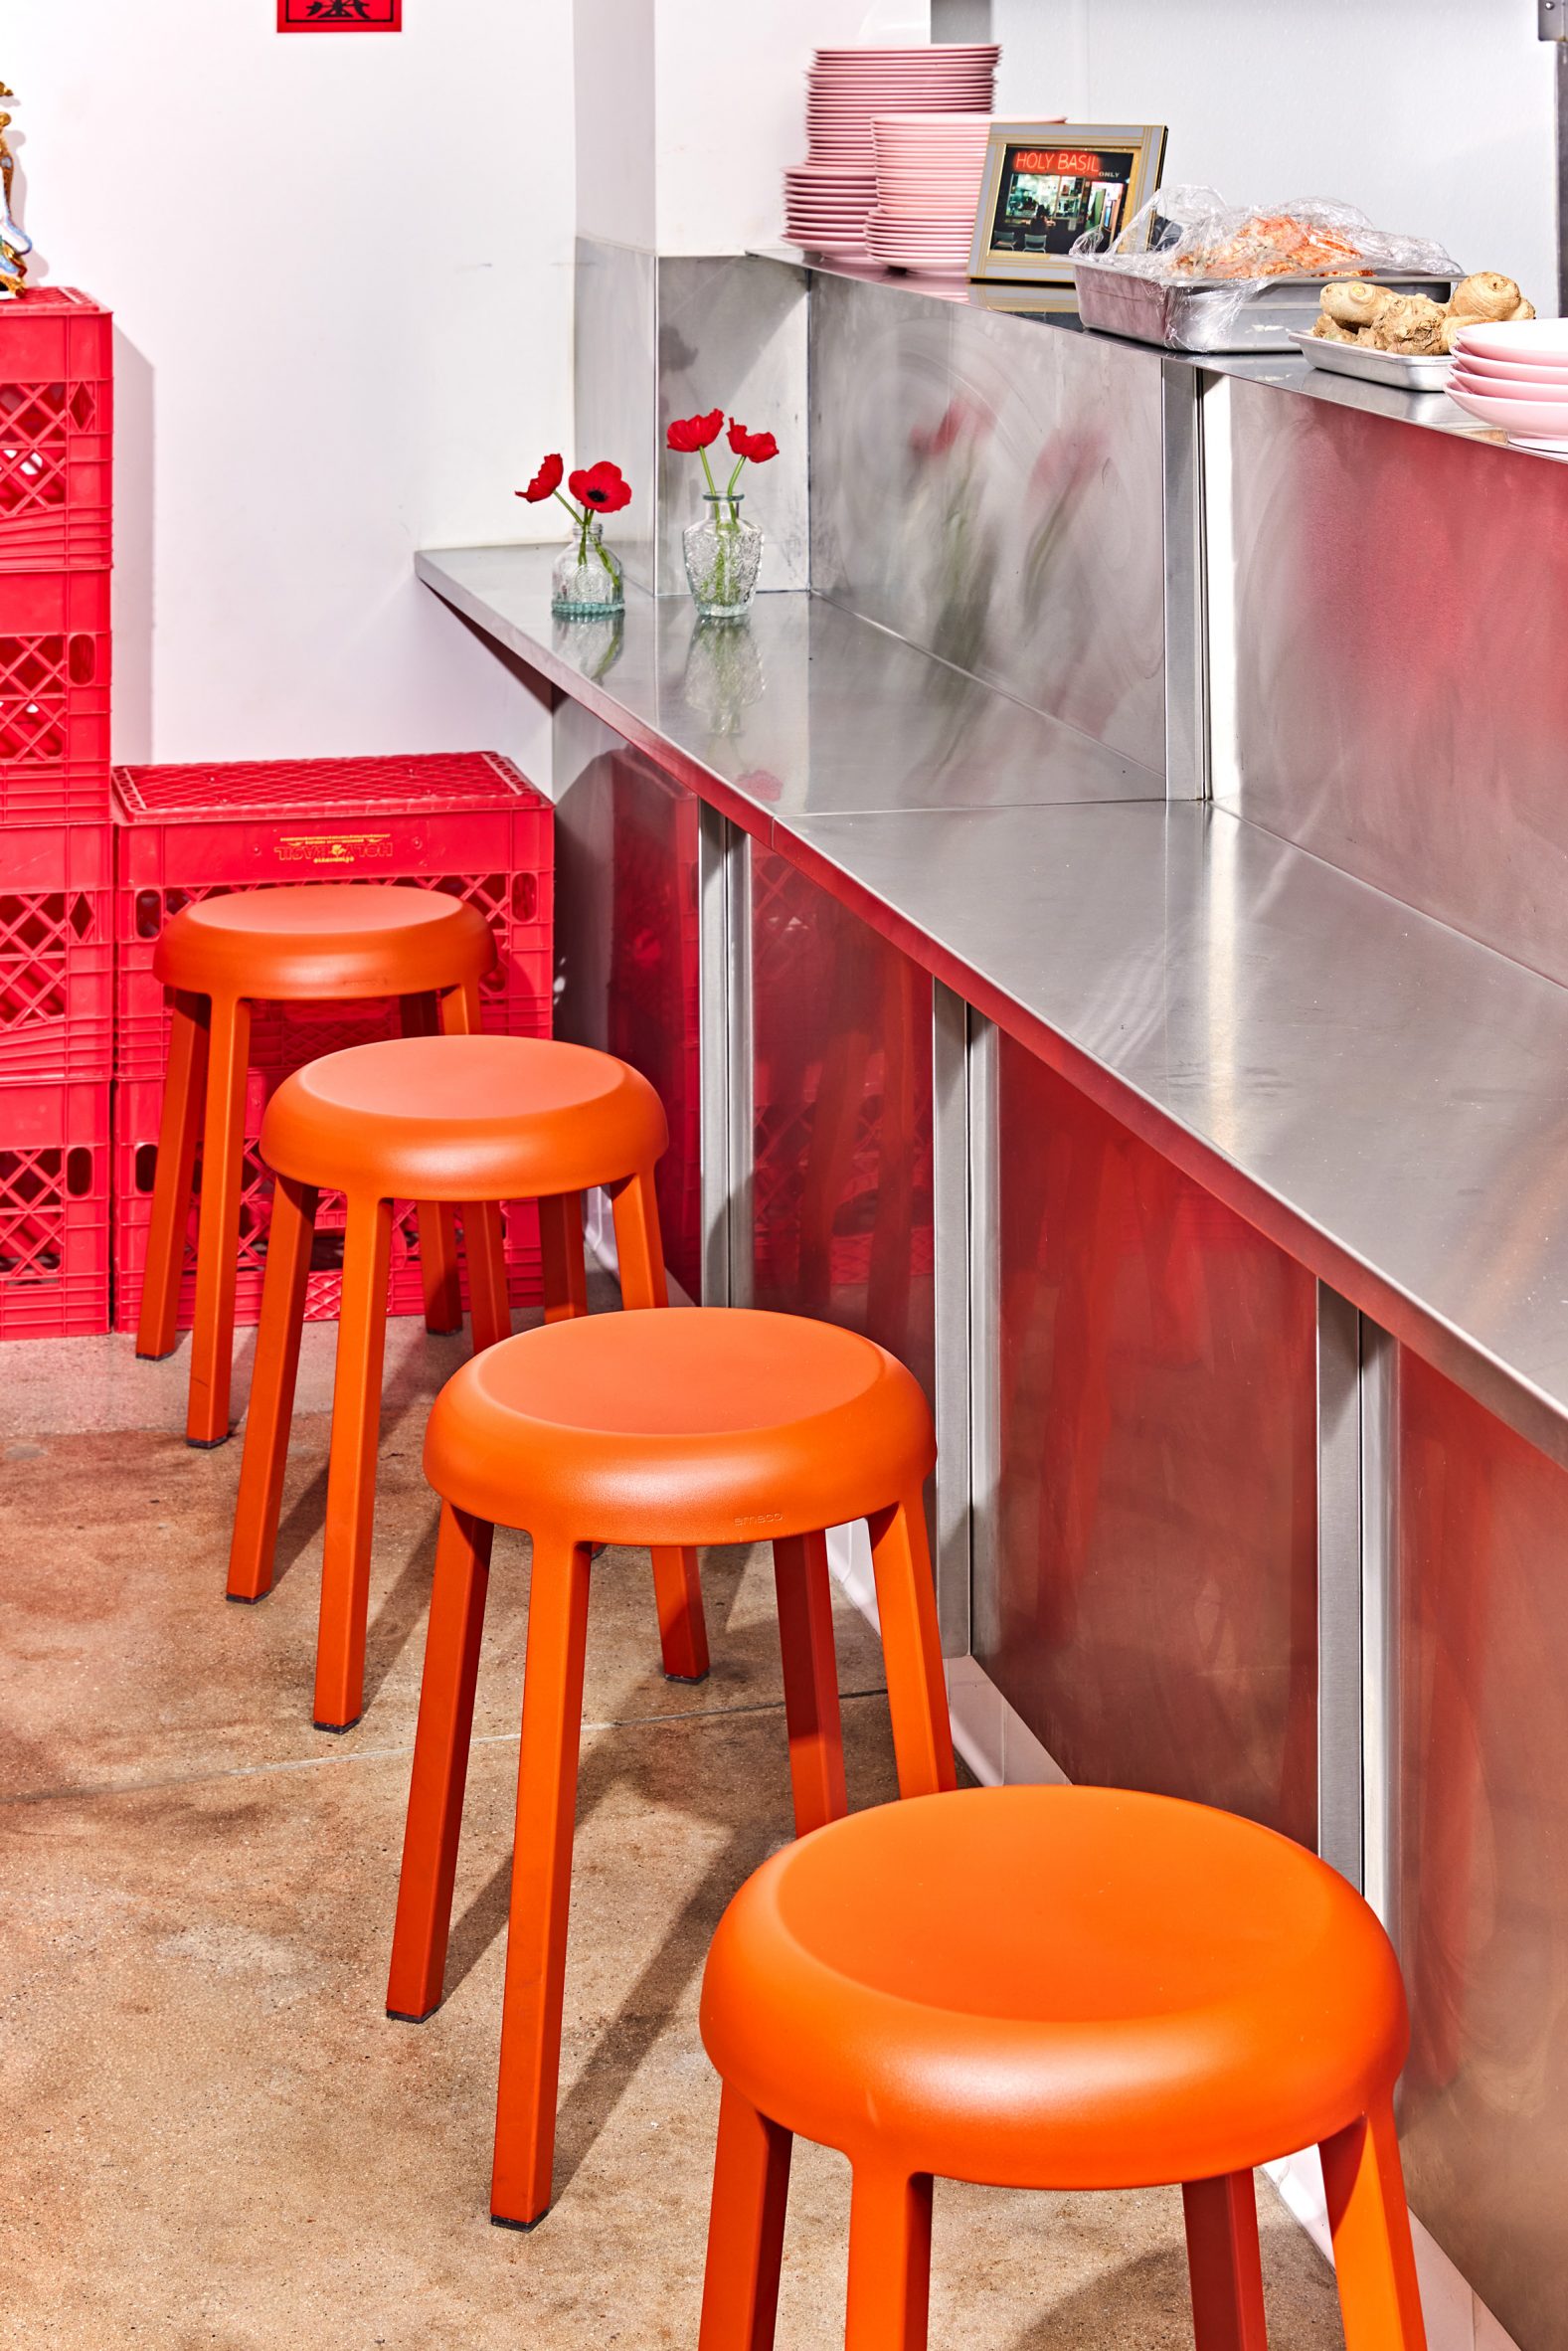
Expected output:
(1049, 183)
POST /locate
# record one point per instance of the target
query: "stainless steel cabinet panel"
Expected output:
(628, 946)
(1483, 1878)
(1396, 629)
(842, 1108)
(1145, 1581)
(992, 490)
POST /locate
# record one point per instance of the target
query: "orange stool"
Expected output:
(707, 1427)
(467, 1120)
(325, 942)
(1054, 1988)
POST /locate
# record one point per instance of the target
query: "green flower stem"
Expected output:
(581, 524)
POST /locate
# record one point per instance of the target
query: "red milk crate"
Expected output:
(54, 1209)
(54, 667)
(57, 432)
(466, 823)
(57, 951)
(138, 1106)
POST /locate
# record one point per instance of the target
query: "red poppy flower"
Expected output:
(693, 433)
(602, 486)
(757, 447)
(545, 482)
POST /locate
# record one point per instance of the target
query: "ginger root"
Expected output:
(1410, 322)
(1351, 301)
(1489, 297)
(1353, 310)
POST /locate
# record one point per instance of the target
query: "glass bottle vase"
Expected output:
(723, 553)
(586, 578)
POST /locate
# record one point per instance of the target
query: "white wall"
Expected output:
(1437, 119)
(341, 272)
(689, 112)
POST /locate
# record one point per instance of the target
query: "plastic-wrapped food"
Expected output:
(1188, 234)
(1190, 238)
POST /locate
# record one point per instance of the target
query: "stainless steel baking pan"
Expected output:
(1204, 314)
(1407, 371)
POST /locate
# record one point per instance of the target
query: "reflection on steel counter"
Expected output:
(842, 1119)
(1152, 1608)
(1482, 1816)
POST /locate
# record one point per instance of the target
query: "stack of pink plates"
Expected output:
(826, 208)
(1516, 377)
(828, 197)
(928, 173)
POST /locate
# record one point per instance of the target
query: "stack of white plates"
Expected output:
(1516, 378)
(928, 173)
(828, 199)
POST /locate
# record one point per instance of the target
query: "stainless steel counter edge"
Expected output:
(1378, 1094)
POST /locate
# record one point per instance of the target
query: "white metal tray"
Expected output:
(1405, 370)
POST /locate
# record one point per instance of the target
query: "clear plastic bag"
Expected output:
(1184, 235)
(1190, 237)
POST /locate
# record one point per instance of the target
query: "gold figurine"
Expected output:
(15, 244)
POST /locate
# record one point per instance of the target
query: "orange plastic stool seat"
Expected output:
(464, 1121)
(1065, 1988)
(325, 942)
(705, 1426)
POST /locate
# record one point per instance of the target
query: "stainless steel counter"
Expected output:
(1377, 1093)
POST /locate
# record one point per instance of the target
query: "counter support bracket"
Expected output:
(1340, 1585)
(1186, 582)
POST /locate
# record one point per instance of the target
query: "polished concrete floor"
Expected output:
(213, 2136)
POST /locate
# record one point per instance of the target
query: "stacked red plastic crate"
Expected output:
(56, 864)
(467, 824)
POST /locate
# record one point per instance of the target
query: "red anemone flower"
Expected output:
(757, 447)
(545, 482)
(602, 486)
(693, 433)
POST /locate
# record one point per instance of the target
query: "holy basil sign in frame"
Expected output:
(340, 15)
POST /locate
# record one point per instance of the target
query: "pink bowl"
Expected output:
(1527, 340)
(1537, 395)
(1542, 420)
(1514, 371)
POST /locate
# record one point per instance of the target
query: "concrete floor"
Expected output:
(214, 2135)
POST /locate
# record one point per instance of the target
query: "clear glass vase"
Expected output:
(723, 553)
(586, 578)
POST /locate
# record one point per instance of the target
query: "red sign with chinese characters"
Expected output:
(340, 15)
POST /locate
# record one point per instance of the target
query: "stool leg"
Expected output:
(560, 1246)
(266, 1424)
(218, 1238)
(888, 2261)
(351, 1467)
(184, 1090)
(441, 1766)
(419, 1015)
(1380, 2298)
(810, 1680)
(911, 1649)
(525, 2121)
(1223, 2264)
(489, 1299)
(677, 1587)
(746, 2225)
